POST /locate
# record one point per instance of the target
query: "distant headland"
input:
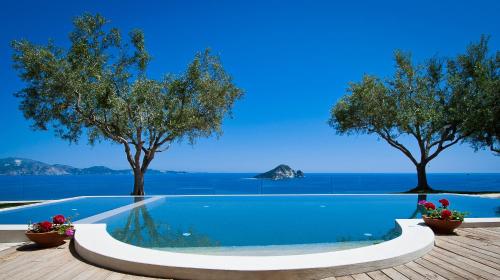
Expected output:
(13, 166)
(280, 172)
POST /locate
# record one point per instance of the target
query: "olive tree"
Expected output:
(98, 87)
(438, 104)
(486, 130)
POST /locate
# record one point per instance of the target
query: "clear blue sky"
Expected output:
(293, 58)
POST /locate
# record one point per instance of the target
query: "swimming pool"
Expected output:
(274, 225)
(247, 224)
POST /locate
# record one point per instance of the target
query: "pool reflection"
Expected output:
(140, 229)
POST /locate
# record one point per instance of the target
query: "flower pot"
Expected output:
(441, 226)
(46, 239)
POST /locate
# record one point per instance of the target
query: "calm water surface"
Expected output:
(75, 209)
(219, 224)
(51, 187)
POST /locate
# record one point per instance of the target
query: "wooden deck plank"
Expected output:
(76, 268)
(428, 274)
(10, 260)
(378, 275)
(470, 233)
(451, 266)
(347, 277)
(115, 276)
(482, 258)
(439, 270)
(465, 264)
(47, 265)
(409, 273)
(394, 274)
(30, 257)
(45, 268)
(87, 273)
(484, 232)
(64, 271)
(483, 244)
(5, 254)
(470, 247)
(480, 232)
(361, 276)
(495, 229)
(489, 231)
(479, 263)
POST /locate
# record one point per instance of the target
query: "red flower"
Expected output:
(429, 205)
(444, 202)
(45, 226)
(58, 219)
(445, 214)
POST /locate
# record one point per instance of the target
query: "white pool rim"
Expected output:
(96, 245)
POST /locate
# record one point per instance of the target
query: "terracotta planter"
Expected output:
(441, 226)
(47, 239)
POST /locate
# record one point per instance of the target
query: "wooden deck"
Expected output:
(471, 254)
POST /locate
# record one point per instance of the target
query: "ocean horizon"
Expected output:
(201, 183)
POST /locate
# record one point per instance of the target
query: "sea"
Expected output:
(56, 187)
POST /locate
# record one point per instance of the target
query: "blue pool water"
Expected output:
(209, 223)
(78, 209)
(53, 187)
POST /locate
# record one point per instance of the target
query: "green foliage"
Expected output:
(99, 87)
(475, 71)
(443, 212)
(438, 103)
(437, 214)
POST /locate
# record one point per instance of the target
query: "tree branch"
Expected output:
(129, 155)
(138, 147)
(148, 157)
(442, 147)
(386, 136)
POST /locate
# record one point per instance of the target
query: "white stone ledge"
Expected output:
(45, 202)
(93, 243)
(101, 216)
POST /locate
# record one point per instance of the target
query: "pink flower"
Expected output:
(70, 232)
(422, 202)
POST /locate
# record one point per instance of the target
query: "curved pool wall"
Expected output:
(94, 244)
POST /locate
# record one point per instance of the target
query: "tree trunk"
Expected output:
(422, 196)
(422, 185)
(138, 182)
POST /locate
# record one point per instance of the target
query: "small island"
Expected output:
(280, 172)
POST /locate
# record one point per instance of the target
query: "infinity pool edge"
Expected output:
(94, 244)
